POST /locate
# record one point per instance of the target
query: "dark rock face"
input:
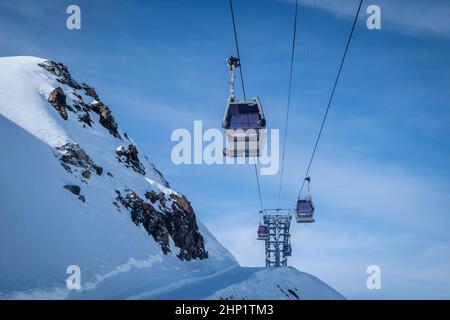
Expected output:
(86, 174)
(86, 119)
(153, 196)
(129, 157)
(75, 159)
(73, 188)
(80, 105)
(183, 228)
(98, 170)
(177, 222)
(58, 100)
(61, 72)
(106, 118)
(63, 76)
(164, 181)
(89, 91)
(164, 216)
(144, 214)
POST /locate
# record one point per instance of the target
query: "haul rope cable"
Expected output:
(288, 100)
(331, 97)
(243, 91)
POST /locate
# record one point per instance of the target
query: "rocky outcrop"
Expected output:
(176, 221)
(129, 157)
(183, 228)
(86, 174)
(89, 91)
(161, 177)
(166, 216)
(74, 159)
(144, 214)
(61, 72)
(75, 190)
(80, 105)
(86, 119)
(106, 118)
(154, 197)
(58, 100)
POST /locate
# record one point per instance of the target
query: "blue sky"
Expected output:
(381, 177)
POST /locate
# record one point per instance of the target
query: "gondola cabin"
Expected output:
(244, 125)
(263, 232)
(288, 250)
(305, 210)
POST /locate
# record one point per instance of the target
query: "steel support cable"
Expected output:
(331, 97)
(294, 34)
(243, 91)
(304, 72)
(236, 42)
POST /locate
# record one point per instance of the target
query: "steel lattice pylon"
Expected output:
(278, 245)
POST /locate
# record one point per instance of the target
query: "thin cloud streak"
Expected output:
(413, 18)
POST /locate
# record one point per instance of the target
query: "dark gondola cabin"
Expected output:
(243, 121)
(263, 232)
(305, 210)
(244, 124)
(288, 250)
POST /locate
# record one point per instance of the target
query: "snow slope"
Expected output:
(127, 244)
(277, 284)
(245, 283)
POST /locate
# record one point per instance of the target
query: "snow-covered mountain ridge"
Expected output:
(76, 190)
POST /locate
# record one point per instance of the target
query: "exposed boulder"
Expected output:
(86, 174)
(58, 100)
(63, 76)
(106, 118)
(153, 196)
(177, 222)
(144, 214)
(76, 95)
(161, 177)
(61, 72)
(183, 228)
(129, 157)
(98, 169)
(89, 91)
(79, 104)
(86, 119)
(73, 188)
(74, 159)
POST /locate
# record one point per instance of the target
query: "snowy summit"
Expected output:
(77, 191)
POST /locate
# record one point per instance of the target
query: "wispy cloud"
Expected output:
(415, 18)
